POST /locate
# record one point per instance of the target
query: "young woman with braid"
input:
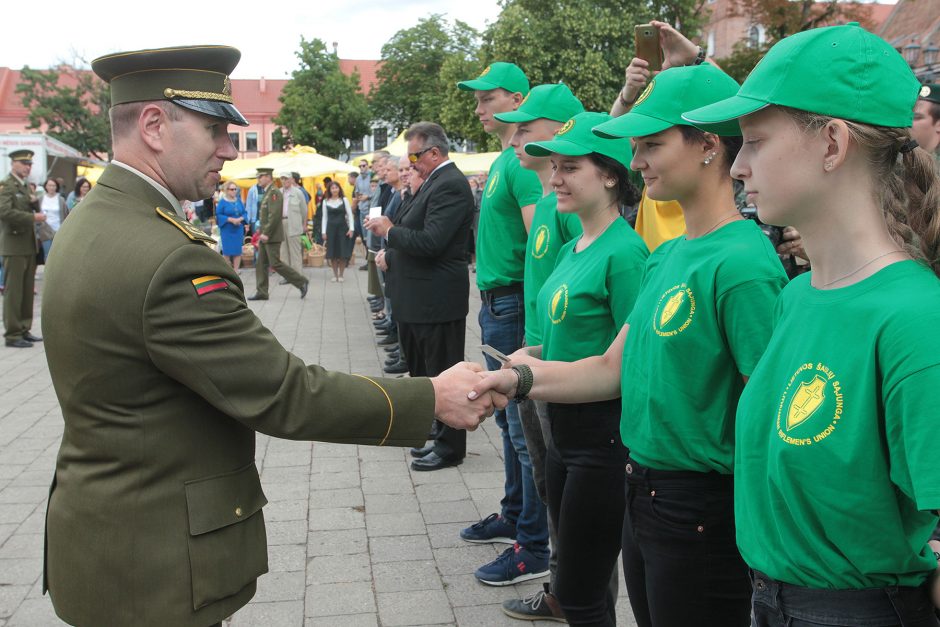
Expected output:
(837, 482)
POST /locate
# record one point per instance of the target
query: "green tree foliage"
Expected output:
(321, 106)
(409, 85)
(781, 18)
(72, 105)
(456, 115)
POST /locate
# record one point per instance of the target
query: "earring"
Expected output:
(709, 158)
(827, 166)
(609, 184)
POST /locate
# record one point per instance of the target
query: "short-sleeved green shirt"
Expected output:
(701, 321)
(501, 239)
(836, 460)
(550, 231)
(586, 300)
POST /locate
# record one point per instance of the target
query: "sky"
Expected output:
(267, 33)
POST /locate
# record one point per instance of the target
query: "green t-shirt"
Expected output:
(502, 236)
(549, 232)
(586, 300)
(701, 321)
(837, 458)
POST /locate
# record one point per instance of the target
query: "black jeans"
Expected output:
(585, 487)
(778, 604)
(680, 560)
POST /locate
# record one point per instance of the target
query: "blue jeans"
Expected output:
(502, 326)
(46, 247)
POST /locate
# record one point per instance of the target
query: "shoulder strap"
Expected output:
(188, 229)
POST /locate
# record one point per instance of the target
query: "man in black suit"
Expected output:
(429, 282)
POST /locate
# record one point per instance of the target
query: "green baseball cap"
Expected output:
(839, 71)
(553, 102)
(668, 96)
(498, 75)
(576, 139)
(930, 92)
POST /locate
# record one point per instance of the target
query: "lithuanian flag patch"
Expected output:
(209, 283)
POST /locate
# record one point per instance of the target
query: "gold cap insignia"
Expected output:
(227, 87)
(925, 91)
(486, 71)
(646, 93)
(526, 98)
(567, 127)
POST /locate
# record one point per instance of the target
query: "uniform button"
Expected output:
(238, 512)
(629, 469)
(759, 584)
(700, 528)
(652, 492)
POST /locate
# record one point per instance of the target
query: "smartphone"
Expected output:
(646, 38)
(495, 354)
(375, 212)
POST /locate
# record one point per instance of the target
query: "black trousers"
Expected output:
(584, 482)
(680, 559)
(429, 349)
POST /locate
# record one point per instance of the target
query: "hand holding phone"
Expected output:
(648, 48)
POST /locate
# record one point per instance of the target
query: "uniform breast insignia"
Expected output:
(191, 232)
(209, 283)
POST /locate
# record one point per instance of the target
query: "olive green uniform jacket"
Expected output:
(17, 221)
(154, 513)
(270, 211)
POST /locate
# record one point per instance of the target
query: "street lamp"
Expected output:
(930, 54)
(911, 51)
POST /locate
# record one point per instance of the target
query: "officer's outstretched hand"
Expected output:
(452, 404)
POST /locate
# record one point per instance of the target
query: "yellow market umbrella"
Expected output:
(474, 162)
(301, 159)
(399, 148)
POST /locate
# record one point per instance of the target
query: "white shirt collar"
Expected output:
(177, 207)
(439, 167)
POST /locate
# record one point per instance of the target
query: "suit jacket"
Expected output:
(164, 375)
(427, 250)
(17, 224)
(269, 212)
(296, 213)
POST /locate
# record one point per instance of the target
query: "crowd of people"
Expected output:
(754, 440)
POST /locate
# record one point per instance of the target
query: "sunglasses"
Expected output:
(414, 156)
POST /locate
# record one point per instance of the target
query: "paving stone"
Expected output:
(346, 497)
(406, 576)
(391, 504)
(279, 613)
(465, 559)
(465, 590)
(329, 449)
(342, 542)
(381, 453)
(387, 485)
(16, 512)
(19, 571)
(286, 557)
(489, 616)
(293, 491)
(339, 569)
(25, 545)
(446, 535)
(395, 524)
(477, 480)
(333, 599)
(441, 492)
(425, 607)
(34, 613)
(336, 518)
(354, 620)
(399, 548)
(334, 480)
(458, 511)
(444, 475)
(287, 532)
(10, 599)
(281, 586)
(286, 510)
(322, 465)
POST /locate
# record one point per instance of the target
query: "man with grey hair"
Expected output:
(427, 274)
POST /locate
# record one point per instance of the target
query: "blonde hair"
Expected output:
(910, 194)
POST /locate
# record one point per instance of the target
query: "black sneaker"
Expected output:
(540, 606)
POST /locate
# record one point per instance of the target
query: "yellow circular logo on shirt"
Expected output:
(674, 311)
(811, 407)
(646, 93)
(540, 245)
(558, 307)
(491, 188)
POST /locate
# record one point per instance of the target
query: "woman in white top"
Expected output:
(53, 205)
(337, 231)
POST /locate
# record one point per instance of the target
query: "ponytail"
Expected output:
(910, 195)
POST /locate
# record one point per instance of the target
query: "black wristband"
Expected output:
(524, 385)
(700, 57)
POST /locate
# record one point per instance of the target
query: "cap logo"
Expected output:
(646, 93)
(924, 91)
(526, 98)
(227, 87)
(486, 71)
(567, 127)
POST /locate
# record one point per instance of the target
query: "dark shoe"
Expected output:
(540, 606)
(388, 340)
(433, 461)
(382, 324)
(393, 358)
(374, 299)
(384, 332)
(493, 528)
(423, 451)
(394, 348)
(303, 289)
(515, 565)
(376, 308)
(257, 297)
(19, 343)
(364, 266)
(398, 367)
(29, 337)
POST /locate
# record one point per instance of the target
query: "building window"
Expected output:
(380, 137)
(355, 145)
(236, 141)
(251, 142)
(710, 44)
(755, 36)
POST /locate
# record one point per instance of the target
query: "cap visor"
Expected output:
(476, 85)
(216, 109)
(556, 146)
(631, 125)
(724, 110)
(514, 117)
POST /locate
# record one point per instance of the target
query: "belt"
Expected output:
(502, 290)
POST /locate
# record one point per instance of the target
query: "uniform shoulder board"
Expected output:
(188, 229)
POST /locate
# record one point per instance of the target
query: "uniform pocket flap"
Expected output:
(223, 500)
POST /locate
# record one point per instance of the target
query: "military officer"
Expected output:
(926, 126)
(18, 219)
(164, 374)
(271, 214)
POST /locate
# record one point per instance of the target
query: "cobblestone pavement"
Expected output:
(355, 537)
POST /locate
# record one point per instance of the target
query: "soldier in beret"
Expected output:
(164, 374)
(18, 219)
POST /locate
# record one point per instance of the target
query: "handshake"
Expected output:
(465, 395)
